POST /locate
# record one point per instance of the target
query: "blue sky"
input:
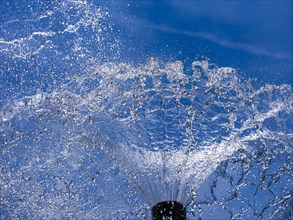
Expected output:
(254, 37)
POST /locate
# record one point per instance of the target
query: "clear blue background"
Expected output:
(254, 37)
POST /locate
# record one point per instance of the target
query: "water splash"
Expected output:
(167, 130)
(200, 135)
(42, 44)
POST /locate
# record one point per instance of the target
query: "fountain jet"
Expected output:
(168, 210)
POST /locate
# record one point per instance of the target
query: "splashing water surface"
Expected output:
(107, 139)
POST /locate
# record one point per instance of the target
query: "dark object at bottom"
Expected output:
(168, 210)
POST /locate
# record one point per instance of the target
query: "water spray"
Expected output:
(150, 129)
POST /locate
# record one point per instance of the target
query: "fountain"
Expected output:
(166, 139)
(111, 140)
(169, 210)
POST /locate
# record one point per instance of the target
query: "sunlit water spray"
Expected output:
(166, 128)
